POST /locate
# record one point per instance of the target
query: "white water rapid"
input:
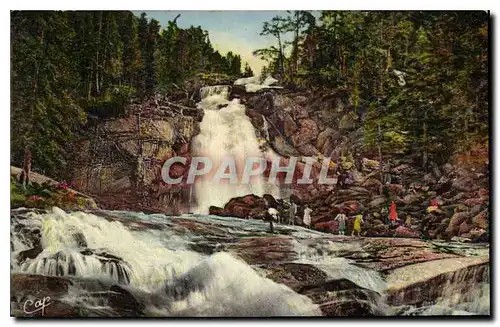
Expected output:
(154, 264)
(166, 268)
(226, 132)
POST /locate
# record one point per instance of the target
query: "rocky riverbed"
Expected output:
(119, 164)
(117, 263)
(327, 127)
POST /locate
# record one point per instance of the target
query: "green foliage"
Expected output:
(248, 72)
(347, 161)
(45, 113)
(17, 197)
(66, 65)
(46, 195)
(348, 121)
(184, 53)
(112, 103)
(442, 105)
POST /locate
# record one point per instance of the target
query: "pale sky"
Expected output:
(236, 31)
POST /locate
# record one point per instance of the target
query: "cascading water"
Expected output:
(225, 133)
(152, 257)
(221, 90)
(461, 285)
(461, 288)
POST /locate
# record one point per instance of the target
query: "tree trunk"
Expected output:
(381, 71)
(89, 91)
(406, 52)
(98, 66)
(425, 153)
(281, 61)
(295, 58)
(379, 147)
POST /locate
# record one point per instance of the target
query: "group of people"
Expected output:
(358, 220)
(356, 229)
(273, 215)
(390, 213)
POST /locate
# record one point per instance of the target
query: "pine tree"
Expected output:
(44, 113)
(248, 71)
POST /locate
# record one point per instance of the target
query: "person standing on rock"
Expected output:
(341, 218)
(408, 221)
(393, 215)
(358, 220)
(434, 206)
(387, 172)
(24, 178)
(307, 217)
(272, 215)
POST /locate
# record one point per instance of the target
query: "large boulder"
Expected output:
(330, 226)
(378, 229)
(283, 148)
(122, 300)
(323, 137)
(216, 211)
(413, 198)
(372, 184)
(242, 207)
(307, 150)
(456, 220)
(256, 118)
(352, 207)
(481, 220)
(473, 202)
(307, 132)
(463, 228)
(402, 231)
(328, 147)
(290, 127)
(396, 189)
(377, 201)
(478, 235)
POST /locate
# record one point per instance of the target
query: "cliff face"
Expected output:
(327, 126)
(119, 161)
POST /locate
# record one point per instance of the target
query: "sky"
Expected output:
(236, 31)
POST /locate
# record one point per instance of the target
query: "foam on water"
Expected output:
(323, 256)
(169, 279)
(146, 257)
(225, 286)
(226, 133)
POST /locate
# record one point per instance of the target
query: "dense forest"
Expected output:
(418, 81)
(67, 64)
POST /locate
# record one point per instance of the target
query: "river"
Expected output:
(201, 265)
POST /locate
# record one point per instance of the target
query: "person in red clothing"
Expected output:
(434, 206)
(393, 215)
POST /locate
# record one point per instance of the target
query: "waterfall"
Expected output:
(154, 264)
(221, 90)
(88, 246)
(225, 133)
(463, 287)
(454, 286)
(152, 257)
